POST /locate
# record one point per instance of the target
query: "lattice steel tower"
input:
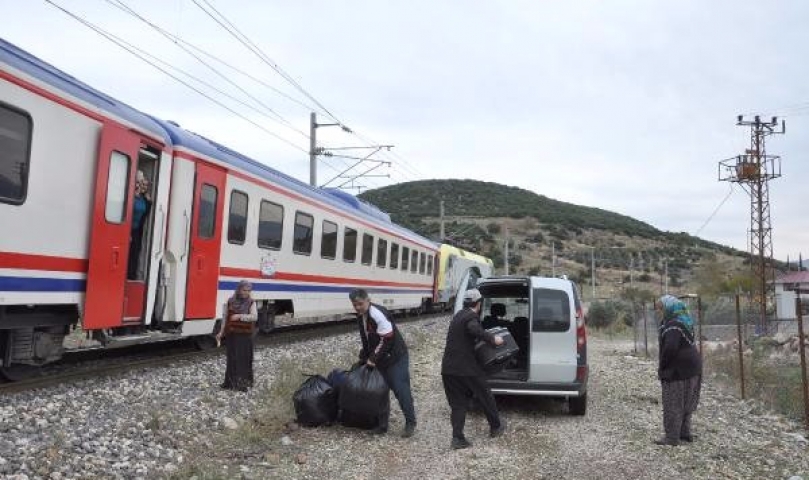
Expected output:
(753, 170)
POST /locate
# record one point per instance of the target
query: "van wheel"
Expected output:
(577, 405)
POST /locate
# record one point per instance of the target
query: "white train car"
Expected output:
(69, 160)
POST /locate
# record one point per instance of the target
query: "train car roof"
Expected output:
(332, 197)
(59, 80)
(447, 249)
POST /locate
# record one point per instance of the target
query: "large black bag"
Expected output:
(315, 402)
(363, 397)
(494, 358)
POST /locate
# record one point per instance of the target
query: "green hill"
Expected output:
(477, 215)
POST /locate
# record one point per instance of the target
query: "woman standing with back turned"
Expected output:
(680, 370)
(237, 329)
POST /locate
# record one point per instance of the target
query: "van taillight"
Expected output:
(581, 332)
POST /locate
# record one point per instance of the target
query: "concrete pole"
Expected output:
(441, 222)
(313, 149)
(505, 249)
(593, 270)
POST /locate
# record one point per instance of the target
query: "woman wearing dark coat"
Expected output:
(238, 332)
(679, 370)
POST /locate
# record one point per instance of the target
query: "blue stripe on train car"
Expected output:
(34, 284)
(294, 287)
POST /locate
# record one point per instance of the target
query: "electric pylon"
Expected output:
(753, 170)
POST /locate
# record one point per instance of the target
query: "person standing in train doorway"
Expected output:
(237, 330)
(141, 205)
(384, 348)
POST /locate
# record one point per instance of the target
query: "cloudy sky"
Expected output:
(622, 105)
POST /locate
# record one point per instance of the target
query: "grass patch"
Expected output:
(777, 386)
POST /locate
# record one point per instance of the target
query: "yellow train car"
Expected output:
(453, 264)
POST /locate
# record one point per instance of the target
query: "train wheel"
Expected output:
(266, 319)
(205, 342)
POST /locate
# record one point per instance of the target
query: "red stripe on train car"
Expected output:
(300, 277)
(25, 261)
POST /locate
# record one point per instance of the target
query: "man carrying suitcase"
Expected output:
(463, 377)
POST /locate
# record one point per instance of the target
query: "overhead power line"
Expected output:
(716, 210)
(244, 40)
(141, 54)
(171, 37)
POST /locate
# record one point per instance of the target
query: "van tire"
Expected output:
(578, 405)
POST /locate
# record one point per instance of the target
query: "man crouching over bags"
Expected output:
(463, 376)
(384, 348)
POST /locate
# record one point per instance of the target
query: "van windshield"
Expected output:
(551, 311)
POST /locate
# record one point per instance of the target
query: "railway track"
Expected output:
(71, 370)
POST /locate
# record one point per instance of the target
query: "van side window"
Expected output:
(302, 241)
(270, 225)
(405, 258)
(551, 311)
(367, 249)
(350, 245)
(237, 220)
(394, 256)
(15, 154)
(382, 253)
(328, 240)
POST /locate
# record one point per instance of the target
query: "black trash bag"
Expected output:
(315, 402)
(337, 378)
(363, 398)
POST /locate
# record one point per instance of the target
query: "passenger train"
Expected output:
(70, 158)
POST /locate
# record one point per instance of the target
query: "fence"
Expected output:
(763, 362)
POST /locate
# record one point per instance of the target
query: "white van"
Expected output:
(545, 317)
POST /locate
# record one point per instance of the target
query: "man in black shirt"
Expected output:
(463, 377)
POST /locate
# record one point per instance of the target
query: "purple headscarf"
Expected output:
(237, 304)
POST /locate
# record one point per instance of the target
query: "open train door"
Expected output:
(111, 227)
(206, 242)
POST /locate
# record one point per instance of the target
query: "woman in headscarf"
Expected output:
(679, 370)
(238, 329)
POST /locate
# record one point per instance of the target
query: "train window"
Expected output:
(328, 241)
(270, 225)
(429, 264)
(422, 263)
(117, 188)
(394, 255)
(302, 241)
(15, 150)
(367, 249)
(414, 261)
(405, 257)
(350, 245)
(237, 220)
(382, 253)
(206, 222)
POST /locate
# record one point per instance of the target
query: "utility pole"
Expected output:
(441, 222)
(631, 270)
(505, 249)
(753, 170)
(666, 276)
(553, 258)
(593, 270)
(313, 149)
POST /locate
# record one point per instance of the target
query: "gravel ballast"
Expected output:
(175, 422)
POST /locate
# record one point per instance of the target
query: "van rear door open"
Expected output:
(553, 332)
